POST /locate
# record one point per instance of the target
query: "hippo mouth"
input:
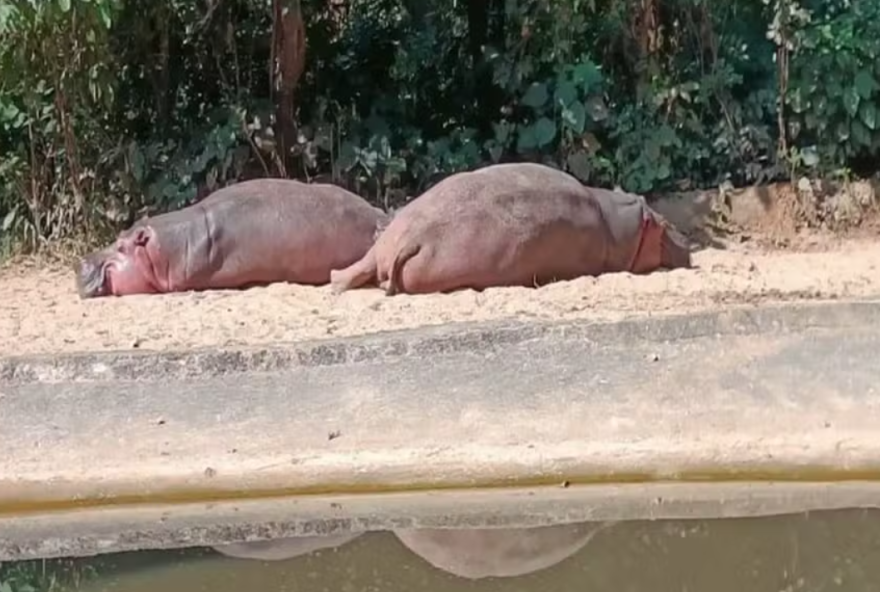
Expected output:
(91, 277)
(125, 267)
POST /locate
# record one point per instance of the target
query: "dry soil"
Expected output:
(40, 311)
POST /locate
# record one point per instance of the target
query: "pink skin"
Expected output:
(125, 268)
(520, 224)
(647, 256)
(132, 272)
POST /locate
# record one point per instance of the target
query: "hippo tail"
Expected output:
(403, 255)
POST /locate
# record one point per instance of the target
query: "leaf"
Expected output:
(575, 117)
(591, 143)
(9, 219)
(104, 11)
(545, 131)
(596, 108)
(526, 140)
(865, 84)
(64, 5)
(536, 96)
(851, 100)
(868, 115)
(495, 152)
(7, 12)
(860, 134)
(566, 93)
(663, 171)
(502, 129)
(666, 136)
(579, 165)
(137, 164)
(810, 156)
(396, 165)
(653, 150)
(797, 101)
(5, 587)
(347, 157)
(587, 75)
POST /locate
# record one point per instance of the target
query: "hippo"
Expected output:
(519, 224)
(498, 552)
(250, 233)
(282, 549)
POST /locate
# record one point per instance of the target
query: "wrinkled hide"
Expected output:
(513, 225)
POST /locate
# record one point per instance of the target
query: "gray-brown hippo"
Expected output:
(500, 553)
(251, 233)
(521, 224)
(282, 549)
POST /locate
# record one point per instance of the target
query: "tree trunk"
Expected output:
(288, 63)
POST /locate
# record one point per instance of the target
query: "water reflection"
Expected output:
(281, 549)
(502, 552)
(814, 552)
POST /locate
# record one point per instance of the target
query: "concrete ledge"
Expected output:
(786, 393)
(109, 530)
(145, 365)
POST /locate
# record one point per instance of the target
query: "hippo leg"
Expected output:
(355, 275)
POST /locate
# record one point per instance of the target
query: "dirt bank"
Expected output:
(40, 311)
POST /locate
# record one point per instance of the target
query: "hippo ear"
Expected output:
(141, 235)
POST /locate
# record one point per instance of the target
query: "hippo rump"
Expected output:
(520, 224)
(501, 552)
(251, 233)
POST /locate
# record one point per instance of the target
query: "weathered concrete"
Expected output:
(783, 393)
(112, 529)
(481, 338)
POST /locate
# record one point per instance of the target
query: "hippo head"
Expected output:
(661, 245)
(122, 268)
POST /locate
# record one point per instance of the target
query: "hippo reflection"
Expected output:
(281, 549)
(507, 552)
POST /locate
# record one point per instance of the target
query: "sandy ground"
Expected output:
(40, 311)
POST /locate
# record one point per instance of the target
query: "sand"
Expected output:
(40, 311)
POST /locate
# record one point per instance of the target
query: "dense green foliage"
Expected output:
(109, 108)
(57, 575)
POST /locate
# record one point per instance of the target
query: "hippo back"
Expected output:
(263, 231)
(508, 224)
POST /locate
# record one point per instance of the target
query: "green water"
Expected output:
(809, 552)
